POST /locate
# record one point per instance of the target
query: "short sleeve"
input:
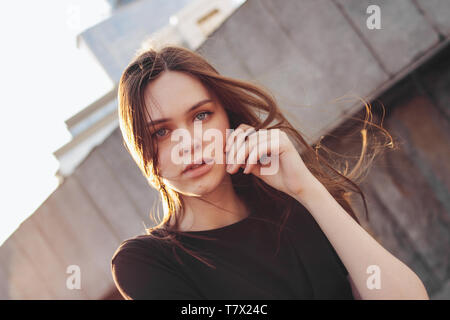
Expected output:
(313, 229)
(327, 243)
(141, 272)
(338, 260)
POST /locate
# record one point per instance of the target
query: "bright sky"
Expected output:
(42, 83)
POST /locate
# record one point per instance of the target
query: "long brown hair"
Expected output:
(244, 102)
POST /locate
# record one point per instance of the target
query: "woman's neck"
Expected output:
(221, 207)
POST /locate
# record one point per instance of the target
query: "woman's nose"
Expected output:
(192, 148)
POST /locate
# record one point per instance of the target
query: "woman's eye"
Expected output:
(160, 132)
(203, 114)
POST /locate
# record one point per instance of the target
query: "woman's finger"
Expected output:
(241, 128)
(242, 137)
(243, 151)
(262, 153)
(233, 146)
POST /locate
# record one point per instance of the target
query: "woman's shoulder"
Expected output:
(142, 245)
(142, 268)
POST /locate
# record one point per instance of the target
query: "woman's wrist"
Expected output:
(314, 191)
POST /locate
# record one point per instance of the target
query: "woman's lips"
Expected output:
(200, 170)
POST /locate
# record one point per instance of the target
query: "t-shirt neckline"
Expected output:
(229, 226)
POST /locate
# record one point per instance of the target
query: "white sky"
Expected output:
(42, 83)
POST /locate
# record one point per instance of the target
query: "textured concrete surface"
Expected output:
(114, 41)
(437, 13)
(404, 34)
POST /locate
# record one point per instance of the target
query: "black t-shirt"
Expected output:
(306, 265)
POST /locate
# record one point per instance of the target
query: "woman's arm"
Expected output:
(355, 247)
(358, 250)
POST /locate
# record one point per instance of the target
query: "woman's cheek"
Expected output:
(167, 167)
(223, 128)
(220, 123)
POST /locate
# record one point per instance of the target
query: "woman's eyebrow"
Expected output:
(195, 106)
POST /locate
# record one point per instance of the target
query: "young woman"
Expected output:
(234, 229)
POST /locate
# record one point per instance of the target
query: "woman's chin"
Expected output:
(201, 187)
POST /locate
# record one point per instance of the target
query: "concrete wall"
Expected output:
(311, 52)
(105, 201)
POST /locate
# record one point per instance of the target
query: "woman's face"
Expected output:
(169, 100)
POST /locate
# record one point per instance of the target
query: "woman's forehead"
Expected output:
(172, 93)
